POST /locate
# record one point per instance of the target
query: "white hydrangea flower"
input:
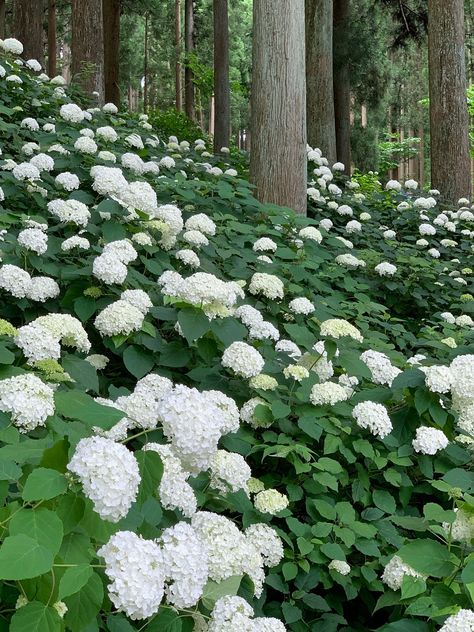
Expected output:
(462, 621)
(385, 269)
(340, 567)
(33, 239)
(30, 123)
(229, 472)
(26, 171)
(301, 305)
(327, 394)
(295, 372)
(339, 328)
(383, 372)
(85, 145)
(231, 614)
(188, 257)
(109, 475)
(67, 329)
(71, 112)
(267, 542)
(37, 343)
(427, 229)
(395, 571)
(393, 185)
(137, 572)
(267, 284)
(243, 359)
(12, 45)
(109, 269)
(270, 501)
(438, 378)
(312, 233)
(70, 211)
(15, 281)
(288, 347)
(98, 361)
(462, 529)
(75, 242)
(429, 440)
(110, 108)
(374, 417)
(43, 162)
(195, 238)
(201, 223)
(248, 409)
(42, 289)
(389, 234)
(69, 181)
(264, 244)
(29, 400)
(119, 318)
(350, 261)
(185, 561)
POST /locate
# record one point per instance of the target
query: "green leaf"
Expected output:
(325, 509)
(151, 471)
(432, 511)
(6, 356)
(467, 574)
(291, 613)
(214, 591)
(351, 361)
(9, 471)
(412, 586)
(138, 361)
(73, 580)
(384, 501)
(409, 379)
(118, 623)
(39, 524)
(82, 372)
(21, 557)
(77, 405)
(194, 323)
(427, 557)
(84, 605)
(166, 621)
(36, 617)
(228, 330)
(309, 426)
(43, 484)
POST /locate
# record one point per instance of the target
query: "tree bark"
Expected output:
(177, 21)
(88, 46)
(111, 10)
(278, 165)
(145, 68)
(28, 27)
(319, 77)
(2, 18)
(449, 123)
(189, 49)
(52, 47)
(342, 83)
(221, 75)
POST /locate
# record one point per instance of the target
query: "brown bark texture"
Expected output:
(88, 46)
(177, 24)
(278, 153)
(319, 77)
(342, 83)
(221, 75)
(2, 18)
(449, 122)
(28, 28)
(189, 49)
(52, 45)
(111, 13)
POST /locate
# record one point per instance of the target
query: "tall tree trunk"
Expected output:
(221, 75)
(342, 83)
(28, 27)
(145, 68)
(319, 77)
(2, 18)
(177, 22)
(278, 155)
(449, 123)
(111, 10)
(189, 48)
(88, 46)
(52, 46)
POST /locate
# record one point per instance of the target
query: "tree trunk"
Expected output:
(189, 49)
(111, 10)
(52, 47)
(178, 92)
(278, 156)
(449, 123)
(28, 27)
(221, 75)
(145, 68)
(88, 46)
(2, 19)
(319, 77)
(342, 84)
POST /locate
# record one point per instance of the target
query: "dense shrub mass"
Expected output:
(217, 415)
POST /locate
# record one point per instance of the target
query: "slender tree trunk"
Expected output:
(189, 48)
(28, 27)
(2, 18)
(319, 77)
(88, 46)
(342, 83)
(111, 9)
(179, 95)
(145, 68)
(449, 123)
(221, 75)
(52, 47)
(278, 157)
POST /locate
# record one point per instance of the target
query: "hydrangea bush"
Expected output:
(217, 415)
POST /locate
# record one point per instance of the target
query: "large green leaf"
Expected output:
(215, 590)
(21, 557)
(43, 484)
(40, 524)
(73, 580)
(84, 605)
(151, 471)
(138, 361)
(78, 405)
(36, 617)
(194, 323)
(427, 557)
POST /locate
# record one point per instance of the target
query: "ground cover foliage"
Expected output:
(133, 497)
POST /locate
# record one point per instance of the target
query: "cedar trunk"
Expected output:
(2, 19)
(449, 122)
(189, 49)
(278, 154)
(88, 46)
(111, 10)
(221, 75)
(319, 77)
(145, 67)
(28, 27)
(52, 46)
(342, 83)
(177, 23)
